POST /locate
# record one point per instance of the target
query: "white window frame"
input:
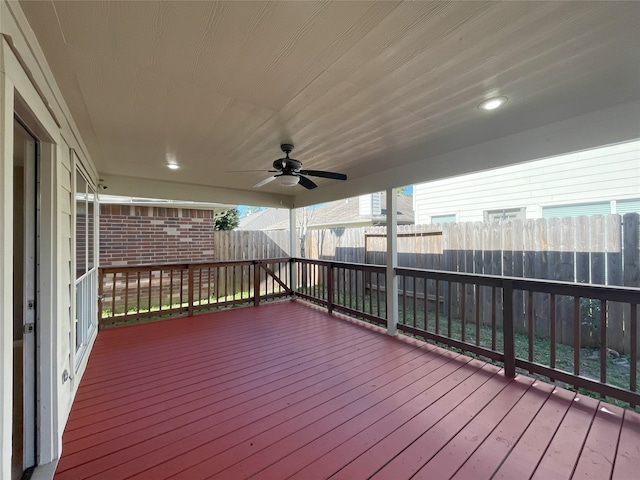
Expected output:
(86, 285)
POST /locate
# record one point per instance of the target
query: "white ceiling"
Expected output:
(376, 90)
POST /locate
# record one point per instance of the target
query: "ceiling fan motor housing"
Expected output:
(287, 165)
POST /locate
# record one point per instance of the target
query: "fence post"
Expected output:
(509, 340)
(256, 283)
(190, 289)
(100, 293)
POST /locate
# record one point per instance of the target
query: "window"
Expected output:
(628, 206)
(86, 317)
(443, 218)
(576, 210)
(505, 214)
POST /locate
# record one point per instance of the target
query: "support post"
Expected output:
(392, 263)
(293, 250)
(508, 329)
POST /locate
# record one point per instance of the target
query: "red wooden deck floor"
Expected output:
(287, 391)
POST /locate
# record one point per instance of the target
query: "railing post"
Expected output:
(293, 276)
(330, 288)
(256, 283)
(190, 289)
(100, 293)
(508, 329)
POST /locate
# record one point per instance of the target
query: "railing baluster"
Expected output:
(425, 304)
(226, 284)
(160, 290)
(493, 316)
(603, 341)
(138, 287)
(415, 295)
(633, 360)
(449, 309)
(190, 291)
(150, 293)
(378, 295)
(113, 295)
(463, 311)
(209, 285)
(552, 331)
(437, 307)
(576, 335)
(182, 287)
(508, 329)
(171, 288)
(330, 291)
(233, 281)
(126, 293)
(530, 325)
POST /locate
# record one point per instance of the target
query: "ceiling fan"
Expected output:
(289, 172)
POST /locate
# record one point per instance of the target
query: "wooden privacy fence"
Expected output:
(599, 249)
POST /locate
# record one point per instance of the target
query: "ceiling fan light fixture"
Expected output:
(492, 103)
(288, 180)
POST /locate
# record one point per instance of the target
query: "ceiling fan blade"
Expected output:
(320, 173)
(306, 183)
(264, 182)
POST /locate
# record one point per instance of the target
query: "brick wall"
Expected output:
(144, 235)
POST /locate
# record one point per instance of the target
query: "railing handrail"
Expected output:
(613, 293)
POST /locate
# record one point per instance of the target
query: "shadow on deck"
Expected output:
(286, 390)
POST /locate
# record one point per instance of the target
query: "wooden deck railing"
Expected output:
(494, 317)
(130, 294)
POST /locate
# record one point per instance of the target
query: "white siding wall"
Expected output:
(45, 112)
(66, 178)
(603, 174)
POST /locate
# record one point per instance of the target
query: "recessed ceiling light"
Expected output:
(173, 166)
(492, 103)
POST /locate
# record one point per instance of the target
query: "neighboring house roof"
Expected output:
(264, 219)
(341, 213)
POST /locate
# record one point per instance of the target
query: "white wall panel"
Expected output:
(603, 174)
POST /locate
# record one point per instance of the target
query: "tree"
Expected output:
(228, 220)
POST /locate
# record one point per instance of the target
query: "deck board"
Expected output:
(285, 390)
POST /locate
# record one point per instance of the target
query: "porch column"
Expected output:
(392, 263)
(293, 248)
